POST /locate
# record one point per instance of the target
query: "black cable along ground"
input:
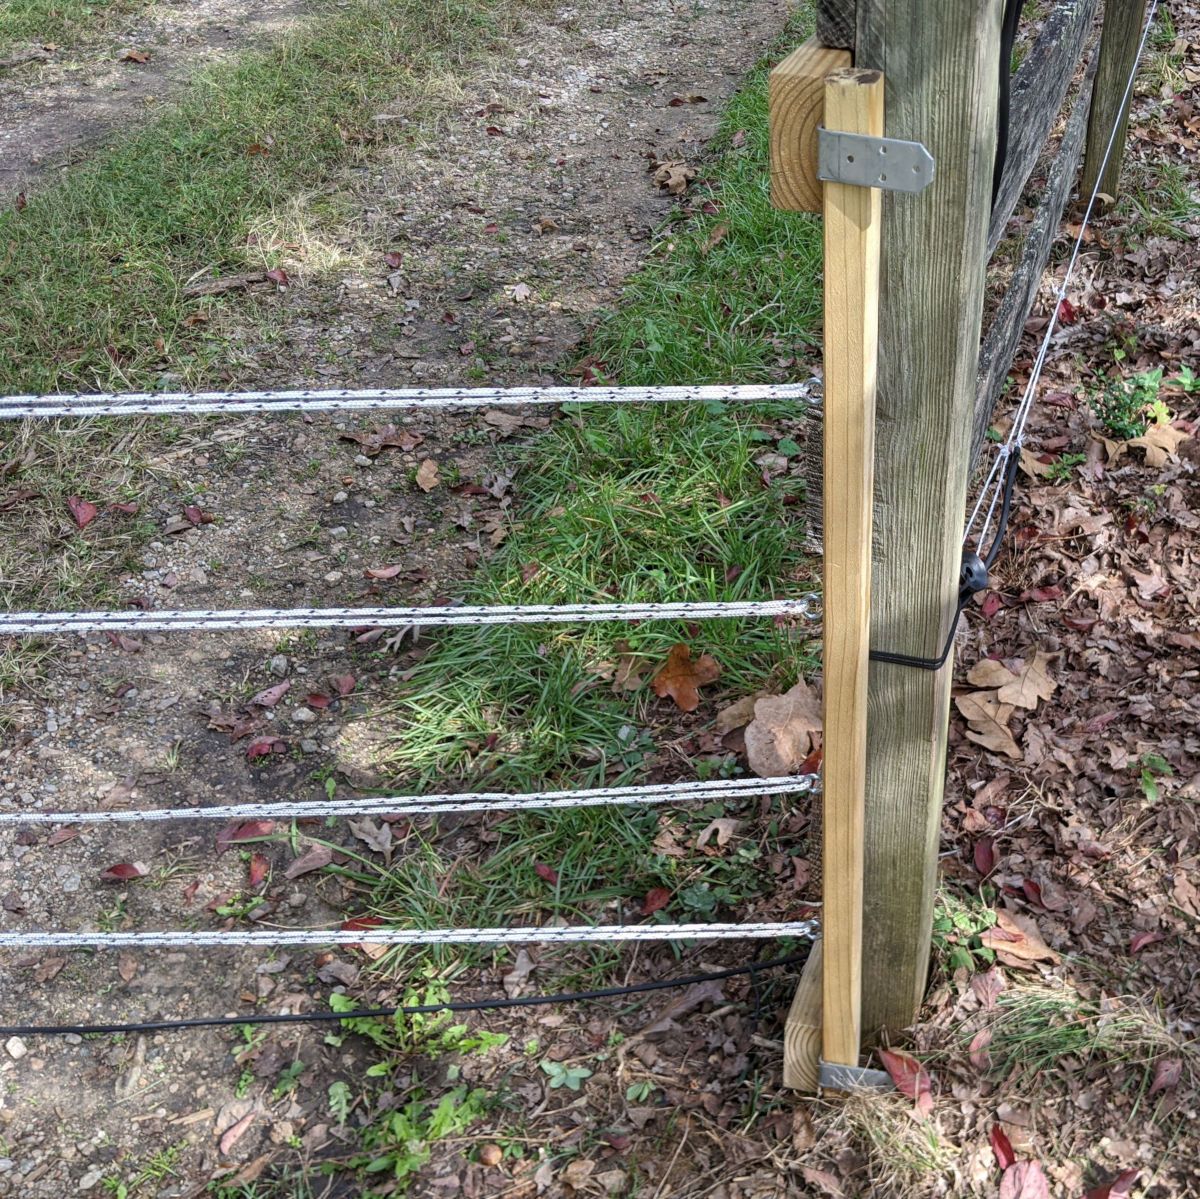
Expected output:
(754, 969)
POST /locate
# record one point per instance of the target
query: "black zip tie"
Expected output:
(972, 578)
(479, 1005)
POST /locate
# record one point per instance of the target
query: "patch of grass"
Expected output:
(903, 1152)
(1039, 1027)
(650, 504)
(60, 22)
(1162, 199)
(94, 269)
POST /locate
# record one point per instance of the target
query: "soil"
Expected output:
(510, 242)
(55, 103)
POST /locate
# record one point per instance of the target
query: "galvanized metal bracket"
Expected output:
(864, 161)
(853, 1078)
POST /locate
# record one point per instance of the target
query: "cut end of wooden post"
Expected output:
(802, 1034)
(797, 108)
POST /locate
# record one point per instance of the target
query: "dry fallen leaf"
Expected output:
(1017, 942)
(427, 475)
(737, 715)
(681, 678)
(783, 732)
(1160, 443)
(674, 177)
(987, 722)
(1022, 689)
(722, 828)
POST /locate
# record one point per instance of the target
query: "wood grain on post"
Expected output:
(835, 23)
(939, 61)
(1118, 52)
(853, 104)
(802, 1032)
(797, 104)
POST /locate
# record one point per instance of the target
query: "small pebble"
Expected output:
(338, 533)
(308, 746)
(15, 1048)
(334, 576)
(361, 460)
(303, 716)
(279, 665)
(341, 497)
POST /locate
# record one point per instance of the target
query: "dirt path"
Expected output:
(56, 104)
(512, 227)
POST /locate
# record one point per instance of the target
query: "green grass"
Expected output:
(631, 504)
(94, 269)
(59, 22)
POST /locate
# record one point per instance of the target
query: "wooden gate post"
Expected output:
(1119, 41)
(939, 61)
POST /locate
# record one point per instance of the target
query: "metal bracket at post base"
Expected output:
(835, 1077)
(863, 161)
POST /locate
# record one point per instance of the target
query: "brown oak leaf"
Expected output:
(681, 678)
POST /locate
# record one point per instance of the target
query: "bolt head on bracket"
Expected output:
(860, 160)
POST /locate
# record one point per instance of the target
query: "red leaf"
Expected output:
(1024, 1180)
(259, 869)
(1032, 891)
(356, 924)
(812, 764)
(279, 276)
(910, 1077)
(262, 747)
(546, 873)
(123, 872)
(1117, 1189)
(1166, 1075)
(316, 858)
(383, 572)
(1002, 1147)
(984, 855)
(1141, 940)
(393, 259)
(197, 516)
(189, 892)
(84, 511)
(316, 700)
(1067, 314)
(68, 832)
(992, 604)
(345, 683)
(125, 509)
(250, 830)
(656, 899)
(272, 695)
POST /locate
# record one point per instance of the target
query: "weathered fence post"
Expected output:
(939, 61)
(1119, 42)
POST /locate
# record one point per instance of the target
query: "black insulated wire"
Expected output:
(754, 969)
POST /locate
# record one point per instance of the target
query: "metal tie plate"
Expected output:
(864, 161)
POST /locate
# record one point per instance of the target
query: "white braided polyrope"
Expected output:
(993, 487)
(426, 805)
(554, 934)
(36, 623)
(16, 407)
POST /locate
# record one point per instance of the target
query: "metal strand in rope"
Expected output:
(554, 934)
(17, 407)
(433, 805)
(39, 623)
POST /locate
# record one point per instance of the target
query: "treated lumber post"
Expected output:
(853, 104)
(939, 61)
(796, 104)
(835, 23)
(1119, 42)
(802, 1032)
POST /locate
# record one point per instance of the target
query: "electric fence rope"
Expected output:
(1003, 467)
(551, 935)
(432, 805)
(214, 620)
(20, 407)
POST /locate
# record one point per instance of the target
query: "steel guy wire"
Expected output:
(994, 483)
(414, 805)
(550, 935)
(16, 407)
